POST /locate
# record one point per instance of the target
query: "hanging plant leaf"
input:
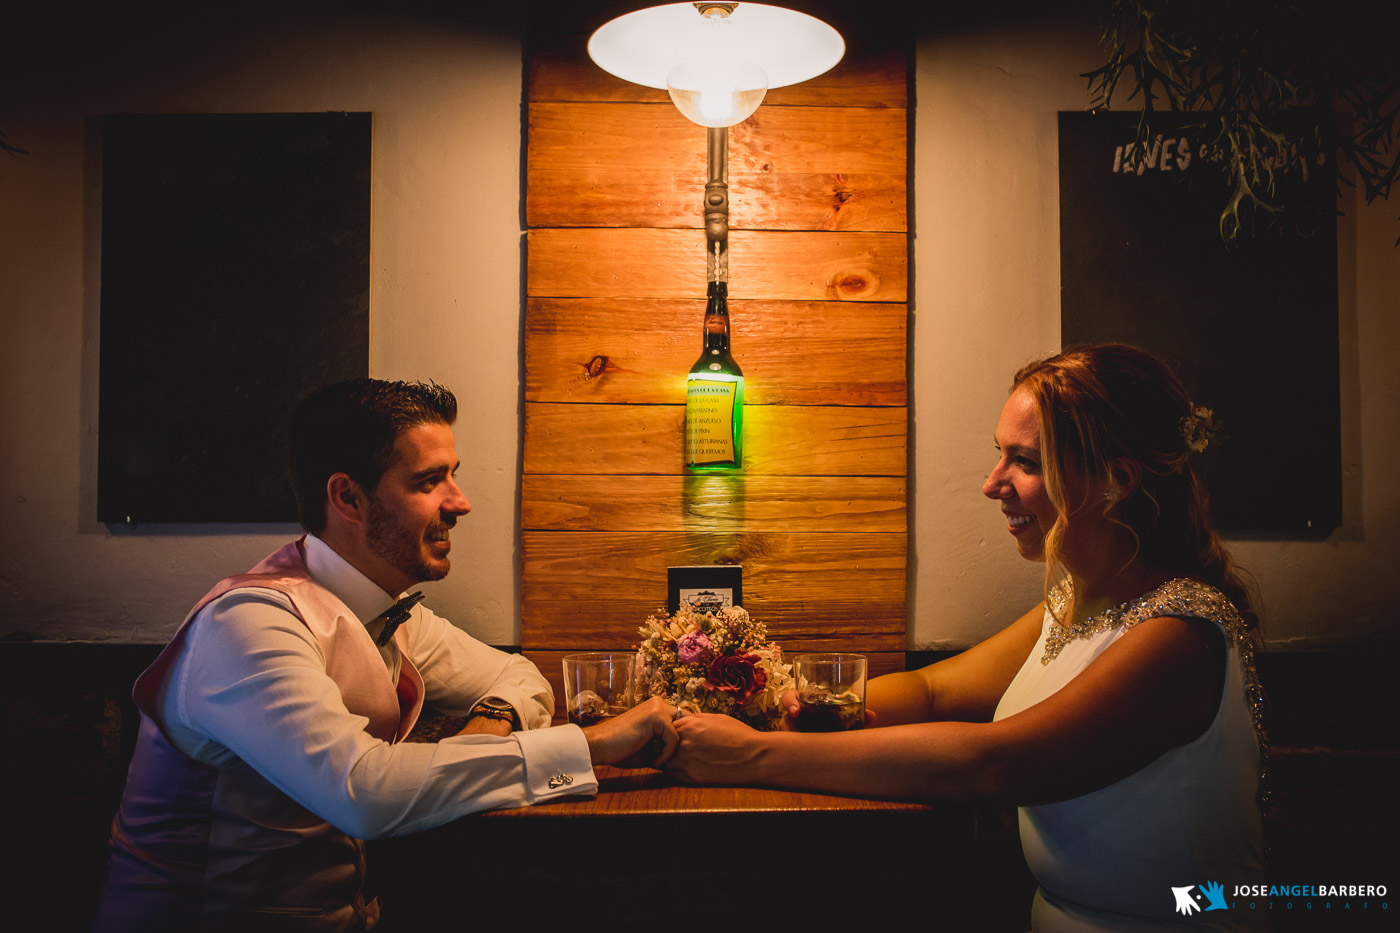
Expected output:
(1285, 90)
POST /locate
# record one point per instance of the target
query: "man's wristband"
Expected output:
(492, 708)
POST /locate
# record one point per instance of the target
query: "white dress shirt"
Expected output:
(252, 683)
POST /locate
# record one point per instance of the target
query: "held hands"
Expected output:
(642, 737)
(716, 749)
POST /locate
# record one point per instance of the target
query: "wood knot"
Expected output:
(850, 285)
(595, 367)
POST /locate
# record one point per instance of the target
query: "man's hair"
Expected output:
(350, 427)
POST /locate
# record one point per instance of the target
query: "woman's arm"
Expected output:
(1155, 688)
(965, 687)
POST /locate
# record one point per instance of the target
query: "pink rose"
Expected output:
(694, 648)
(738, 675)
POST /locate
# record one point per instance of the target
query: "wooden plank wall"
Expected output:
(615, 299)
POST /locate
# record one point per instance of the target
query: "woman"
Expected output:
(1120, 713)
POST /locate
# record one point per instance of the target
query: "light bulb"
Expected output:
(717, 92)
(717, 62)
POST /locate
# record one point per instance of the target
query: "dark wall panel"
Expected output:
(235, 278)
(1251, 328)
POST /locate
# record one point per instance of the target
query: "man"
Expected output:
(271, 725)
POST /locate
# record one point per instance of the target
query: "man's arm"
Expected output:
(252, 684)
(459, 670)
(643, 737)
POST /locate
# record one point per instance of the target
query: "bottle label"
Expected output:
(709, 420)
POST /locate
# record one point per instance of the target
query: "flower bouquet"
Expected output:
(717, 661)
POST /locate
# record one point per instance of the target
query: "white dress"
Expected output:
(1111, 859)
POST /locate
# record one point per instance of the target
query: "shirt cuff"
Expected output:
(557, 762)
(527, 707)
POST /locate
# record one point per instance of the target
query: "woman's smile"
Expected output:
(1018, 480)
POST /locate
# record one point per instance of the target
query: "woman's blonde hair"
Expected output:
(1098, 403)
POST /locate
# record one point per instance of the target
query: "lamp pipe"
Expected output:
(717, 203)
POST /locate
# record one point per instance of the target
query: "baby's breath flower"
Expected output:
(734, 638)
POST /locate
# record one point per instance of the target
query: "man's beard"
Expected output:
(397, 545)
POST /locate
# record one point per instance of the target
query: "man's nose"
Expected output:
(457, 503)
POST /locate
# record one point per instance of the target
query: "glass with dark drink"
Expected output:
(823, 712)
(597, 685)
(830, 692)
(589, 709)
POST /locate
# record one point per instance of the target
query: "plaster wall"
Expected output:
(445, 304)
(445, 287)
(987, 301)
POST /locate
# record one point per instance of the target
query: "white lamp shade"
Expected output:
(643, 46)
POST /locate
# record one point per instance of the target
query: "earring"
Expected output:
(1111, 494)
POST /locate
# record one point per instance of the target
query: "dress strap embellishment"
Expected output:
(1180, 598)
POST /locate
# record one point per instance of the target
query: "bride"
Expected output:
(1120, 713)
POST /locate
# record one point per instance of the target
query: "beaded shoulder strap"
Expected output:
(1180, 598)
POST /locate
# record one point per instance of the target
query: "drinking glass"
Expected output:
(598, 685)
(830, 691)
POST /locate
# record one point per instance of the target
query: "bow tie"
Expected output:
(394, 616)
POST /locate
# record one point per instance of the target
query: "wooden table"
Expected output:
(649, 853)
(656, 794)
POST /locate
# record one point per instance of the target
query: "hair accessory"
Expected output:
(1198, 428)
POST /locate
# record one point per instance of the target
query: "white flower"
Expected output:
(1198, 428)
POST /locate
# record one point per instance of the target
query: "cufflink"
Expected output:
(559, 779)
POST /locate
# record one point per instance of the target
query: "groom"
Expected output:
(272, 725)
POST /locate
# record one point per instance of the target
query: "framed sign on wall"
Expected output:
(1250, 326)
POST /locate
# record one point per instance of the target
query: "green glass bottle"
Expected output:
(714, 395)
